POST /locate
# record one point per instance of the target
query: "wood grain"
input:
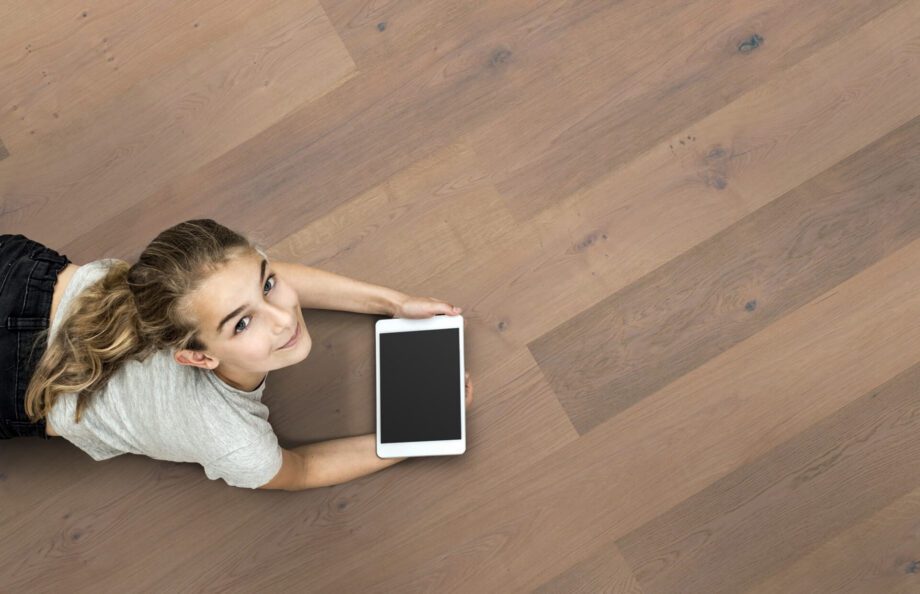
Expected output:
(736, 283)
(685, 235)
(878, 554)
(837, 472)
(597, 103)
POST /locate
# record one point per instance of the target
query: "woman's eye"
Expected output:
(237, 329)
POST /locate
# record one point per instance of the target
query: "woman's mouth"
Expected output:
(293, 340)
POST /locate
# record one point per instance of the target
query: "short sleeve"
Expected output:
(249, 466)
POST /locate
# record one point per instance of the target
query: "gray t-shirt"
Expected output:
(168, 411)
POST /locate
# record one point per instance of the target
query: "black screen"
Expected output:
(420, 385)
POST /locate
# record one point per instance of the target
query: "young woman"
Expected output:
(168, 357)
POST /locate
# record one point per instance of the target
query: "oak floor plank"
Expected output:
(604, 571)
(878, 554)
(837, 472)
(59, 77)
(382, 36)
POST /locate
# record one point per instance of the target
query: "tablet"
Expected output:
(420, 387)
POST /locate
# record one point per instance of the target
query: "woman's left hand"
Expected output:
(424, 307)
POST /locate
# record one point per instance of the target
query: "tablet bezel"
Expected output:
(447, 447)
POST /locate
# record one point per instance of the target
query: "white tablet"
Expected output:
(420, 387)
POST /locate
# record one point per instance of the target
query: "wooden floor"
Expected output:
(685, 234)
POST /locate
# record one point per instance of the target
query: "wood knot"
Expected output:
(590, 240)
(500, 56)
(749, 45)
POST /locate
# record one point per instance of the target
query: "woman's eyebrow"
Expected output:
(245, 305)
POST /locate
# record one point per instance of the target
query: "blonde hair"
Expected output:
(132, 312)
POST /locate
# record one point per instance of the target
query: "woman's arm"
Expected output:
(321, 289)
(340, 460)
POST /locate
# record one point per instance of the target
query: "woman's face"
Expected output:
(246, 321)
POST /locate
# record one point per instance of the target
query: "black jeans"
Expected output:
(28, 273)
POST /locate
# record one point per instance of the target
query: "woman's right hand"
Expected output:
(469, 390)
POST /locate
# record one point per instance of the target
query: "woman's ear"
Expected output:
(195, 359)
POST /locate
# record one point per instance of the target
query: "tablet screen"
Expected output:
(420, 385)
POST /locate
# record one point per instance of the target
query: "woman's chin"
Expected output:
(305, 344)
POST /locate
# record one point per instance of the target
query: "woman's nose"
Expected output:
(283, 320)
